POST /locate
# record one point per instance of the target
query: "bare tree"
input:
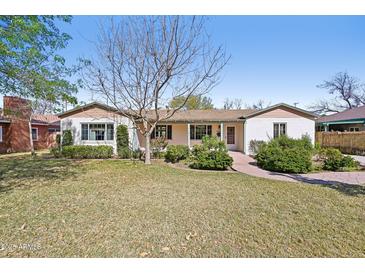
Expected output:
(232, 103)
(347, 92)
(260, 104)
(145, 61)
(228, 104)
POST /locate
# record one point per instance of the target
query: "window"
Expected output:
(110, 132)
(162, 131)
(279, 129)
(354, 129)
(1, 134)
(85, 132)
(97, 132)
(198, 131)
(35, 134)
(51, 129)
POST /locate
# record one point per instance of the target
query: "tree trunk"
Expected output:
(30, 138)
(147, 157)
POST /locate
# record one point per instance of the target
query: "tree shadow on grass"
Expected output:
(348, 189)
(26, 172)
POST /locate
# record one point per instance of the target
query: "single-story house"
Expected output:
(348, 120)
(95, 124)
(14, 127)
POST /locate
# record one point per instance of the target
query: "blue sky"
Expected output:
(276, 58)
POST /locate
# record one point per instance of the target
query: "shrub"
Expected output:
(58, 140)
(67, 138)
(255, 145)
(211, 154)
(334, 160)
(56, 152)
(175, 153)
(284, 154)
(123, 149)
(158, 145)
(136, 154)
(87, 152)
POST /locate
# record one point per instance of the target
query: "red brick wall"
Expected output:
(16, 135)
(19, 111)
(45, 139)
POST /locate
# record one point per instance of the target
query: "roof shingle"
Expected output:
(354, 113)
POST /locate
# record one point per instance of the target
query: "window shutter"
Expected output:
(153, 134)
(169, 132)
(209, 130)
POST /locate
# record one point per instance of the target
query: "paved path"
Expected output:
(247, 164)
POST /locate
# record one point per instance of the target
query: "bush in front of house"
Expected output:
(158, 146)
(67, 138)
(87, 152)
(334, 160)
(284, 154)
(175, 153)
(211, 154)
(123, 149)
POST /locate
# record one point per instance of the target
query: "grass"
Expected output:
(116, 208)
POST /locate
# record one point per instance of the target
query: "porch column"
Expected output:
(188, 135)
(222, 132)
(326, 127)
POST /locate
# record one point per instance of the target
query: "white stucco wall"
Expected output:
(263, 129)
(74, 124)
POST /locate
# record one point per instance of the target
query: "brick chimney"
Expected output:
(19, 111)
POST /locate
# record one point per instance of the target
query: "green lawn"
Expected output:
(115, 208)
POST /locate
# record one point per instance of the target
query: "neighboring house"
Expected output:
(14, 127)
(95, 123)
(348, 120)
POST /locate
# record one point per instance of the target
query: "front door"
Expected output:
(231, 138)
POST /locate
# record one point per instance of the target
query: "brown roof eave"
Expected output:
(200, 121)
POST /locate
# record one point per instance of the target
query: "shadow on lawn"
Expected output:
(348, 189)
(26, 172)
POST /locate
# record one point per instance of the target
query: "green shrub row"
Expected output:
(87, 152)
(175, 153)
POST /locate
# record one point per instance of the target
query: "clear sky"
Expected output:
(276, 58)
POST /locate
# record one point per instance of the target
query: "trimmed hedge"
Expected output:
(211, 154)
(284, 154)
(87, 152)
(67, 138)
(175, 153)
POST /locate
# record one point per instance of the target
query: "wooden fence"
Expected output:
(346, 142)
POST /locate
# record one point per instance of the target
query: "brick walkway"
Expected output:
(246, 164)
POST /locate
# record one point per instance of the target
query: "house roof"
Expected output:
(350, 114)
(302, 111)
(86, 107)
(45, 119)
(209, 115)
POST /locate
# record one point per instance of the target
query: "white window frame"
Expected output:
(279, 124)
(200, 125)
(1, 134)
(36, 134)
(97, 123)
